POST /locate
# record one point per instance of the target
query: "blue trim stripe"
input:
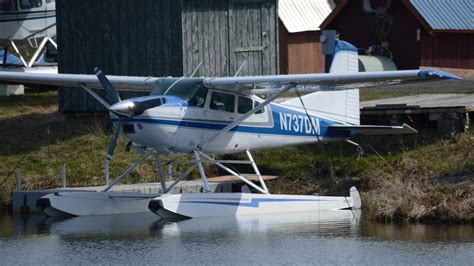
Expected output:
(254, 203)
(246, 129)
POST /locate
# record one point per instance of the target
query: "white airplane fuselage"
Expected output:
(21, 20)
(176, 127)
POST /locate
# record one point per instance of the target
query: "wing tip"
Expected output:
(438, 74)
(409, 129)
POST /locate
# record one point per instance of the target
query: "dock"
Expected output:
(446, 113)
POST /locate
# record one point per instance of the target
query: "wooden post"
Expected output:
(63, 176)
(19, 175)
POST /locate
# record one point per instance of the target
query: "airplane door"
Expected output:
(248, 37)
(8, 20)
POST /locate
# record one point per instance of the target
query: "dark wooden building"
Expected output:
(299, 35)
(419, 33)
(164, 38)
(224, 35)
(136, 38)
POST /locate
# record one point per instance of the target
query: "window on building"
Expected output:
(8, 5)
(29, 4)
(222, 102)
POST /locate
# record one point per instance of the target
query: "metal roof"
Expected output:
(446, 14)
(304, 15)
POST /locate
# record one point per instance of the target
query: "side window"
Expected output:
(28, 4)
(244, 105)
(7, 5)
(222, 102)
(199, 99)
(255, 104)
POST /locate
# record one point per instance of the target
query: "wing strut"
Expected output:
(245, 116)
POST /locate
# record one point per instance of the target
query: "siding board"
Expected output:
(225, 33)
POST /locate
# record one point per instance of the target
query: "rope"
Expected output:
(326, 160)
(13, 170)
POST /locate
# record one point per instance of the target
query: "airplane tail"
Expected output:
(345, 58)
(338, 105)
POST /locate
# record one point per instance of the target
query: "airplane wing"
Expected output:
(75, 80)
(263, 84)
(375, 130)
(246, 85)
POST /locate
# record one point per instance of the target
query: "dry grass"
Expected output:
(419, 187)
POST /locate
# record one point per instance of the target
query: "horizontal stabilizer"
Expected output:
(376, 130)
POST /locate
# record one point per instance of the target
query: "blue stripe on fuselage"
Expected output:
(297, 124)
(254, 203)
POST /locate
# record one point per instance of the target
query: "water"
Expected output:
(324, 238)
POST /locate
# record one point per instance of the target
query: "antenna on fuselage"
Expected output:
(196, 70)
(240, 68)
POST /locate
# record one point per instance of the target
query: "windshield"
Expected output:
(190, 90)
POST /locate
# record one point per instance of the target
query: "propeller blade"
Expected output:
(113, 143)
(111, 92)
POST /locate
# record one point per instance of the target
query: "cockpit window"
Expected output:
(222, 102)
(244, 105)
(199, 98)
(255, 104)
(8, 5)
(190, 90)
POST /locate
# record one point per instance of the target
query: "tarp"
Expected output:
(11, 59)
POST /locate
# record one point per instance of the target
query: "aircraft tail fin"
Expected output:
(345, 58)
(338, 105)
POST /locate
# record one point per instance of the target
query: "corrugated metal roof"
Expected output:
(304, 15)
(446, 14)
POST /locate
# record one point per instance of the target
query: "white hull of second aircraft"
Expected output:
(195, 205)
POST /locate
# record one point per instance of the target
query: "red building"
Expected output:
(420, 33)
(299, 35)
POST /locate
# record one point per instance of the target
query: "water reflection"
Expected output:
(419, 232)
(148, 224)
(302, 238)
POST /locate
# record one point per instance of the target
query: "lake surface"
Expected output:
(301, 239)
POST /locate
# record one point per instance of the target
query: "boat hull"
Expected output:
(194, 205)
(93, 203)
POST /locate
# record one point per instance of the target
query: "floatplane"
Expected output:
(203, 117)
(31, 22)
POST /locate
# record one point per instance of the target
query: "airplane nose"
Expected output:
(123, 108)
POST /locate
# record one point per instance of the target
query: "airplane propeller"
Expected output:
(114, 99)
(124, 109)
(111, 92)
